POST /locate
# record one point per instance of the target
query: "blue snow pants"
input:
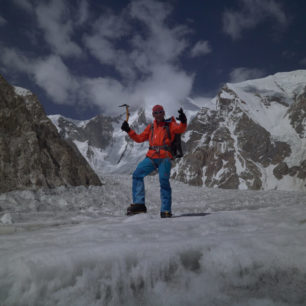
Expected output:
(143, 169)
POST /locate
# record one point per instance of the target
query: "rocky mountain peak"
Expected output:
(254, 140)
(32, 152)
(297, 114)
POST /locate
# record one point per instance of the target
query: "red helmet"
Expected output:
(158, 108)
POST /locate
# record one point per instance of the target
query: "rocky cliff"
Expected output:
(32, 154)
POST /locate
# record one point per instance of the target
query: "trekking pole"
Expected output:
(127, 111)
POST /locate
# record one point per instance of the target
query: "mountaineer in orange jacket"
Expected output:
(160, 135)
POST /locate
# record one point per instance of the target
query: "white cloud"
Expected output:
(53, 76)
(252, 13)
(58, 20)
(107, 93)
(50, 73)
(2, 21)
(160, 41)
(201, 48)
(167, 86)
(145, 62)
(11, 59)
(102, 43)
(157, 44)
(242, 74)
(57, 27)
(24, 4)
(83, 12)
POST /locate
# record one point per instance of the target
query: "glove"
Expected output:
(182, 116)
(125, 127)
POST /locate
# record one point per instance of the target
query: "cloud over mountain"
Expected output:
(250, 14)
(139, 67)
(242, 73)
(201, 48)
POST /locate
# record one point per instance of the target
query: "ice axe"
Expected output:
(127, 111)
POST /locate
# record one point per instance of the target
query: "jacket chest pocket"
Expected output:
(159, 136)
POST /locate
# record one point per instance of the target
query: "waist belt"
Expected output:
(158, 148)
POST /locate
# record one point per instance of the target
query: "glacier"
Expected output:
(75, 246)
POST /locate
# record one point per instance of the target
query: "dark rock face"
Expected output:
(32, 154)
(98, 131)
(257, 145)
(297, 114)
(207, 161)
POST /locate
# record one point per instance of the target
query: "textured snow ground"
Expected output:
(75, 246)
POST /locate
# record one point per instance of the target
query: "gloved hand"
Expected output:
(125, 127)
(182, 116)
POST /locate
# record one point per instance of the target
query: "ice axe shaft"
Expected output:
(127, 111)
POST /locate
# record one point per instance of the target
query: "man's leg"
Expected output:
(143, 169)
(165, 188)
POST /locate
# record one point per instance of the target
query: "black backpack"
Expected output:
(176, 145)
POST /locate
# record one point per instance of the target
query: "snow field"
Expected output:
(75, 246)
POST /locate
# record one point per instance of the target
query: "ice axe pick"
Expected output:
(127, 111)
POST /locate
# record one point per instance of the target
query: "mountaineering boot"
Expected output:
(165, 214)
(135, 209)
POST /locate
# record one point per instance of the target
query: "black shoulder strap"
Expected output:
(152, 131)
(168, 129)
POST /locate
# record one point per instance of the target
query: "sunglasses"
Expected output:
(158, 112)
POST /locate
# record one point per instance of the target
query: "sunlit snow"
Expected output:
(75, 246)
(21, 91)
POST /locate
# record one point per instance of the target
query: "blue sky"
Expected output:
(86, 57)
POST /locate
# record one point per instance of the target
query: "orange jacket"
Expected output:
(159, 138)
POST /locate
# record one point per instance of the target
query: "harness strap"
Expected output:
(158, 148)
(152, 131)
(164, 147)
(166, 127)
(168, 130)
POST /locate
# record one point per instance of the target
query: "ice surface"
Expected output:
(75, 246)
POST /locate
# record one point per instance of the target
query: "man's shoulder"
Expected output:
(170, 120)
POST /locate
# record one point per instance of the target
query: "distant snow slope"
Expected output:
(75, 246)
(102, 142)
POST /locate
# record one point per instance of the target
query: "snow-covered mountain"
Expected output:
(252, 135)
(255, 138)
(102, 142)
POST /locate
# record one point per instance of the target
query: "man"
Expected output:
(160, 134)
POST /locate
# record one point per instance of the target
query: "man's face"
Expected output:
(159, 115)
